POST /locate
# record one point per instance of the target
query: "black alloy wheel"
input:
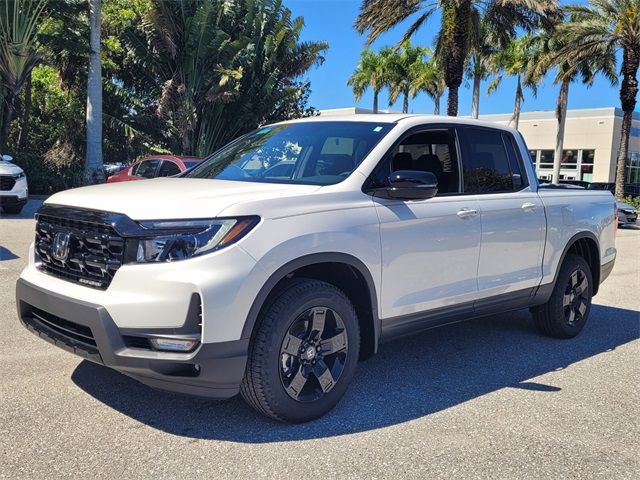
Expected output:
(313, 354)
(575, 301)
(304, 351)
(567, 310)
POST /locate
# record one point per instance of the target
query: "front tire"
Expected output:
(304, 352)
(567, 311)
(12, 209)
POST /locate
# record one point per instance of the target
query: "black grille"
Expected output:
(65, 328)
(7, 182)
(94, 251)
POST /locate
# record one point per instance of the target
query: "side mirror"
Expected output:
(7, 158)
(410, 185)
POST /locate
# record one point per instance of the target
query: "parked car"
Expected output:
(233, 279)
(113, 168)
(627, 214)
(14, 191)
(155, 166)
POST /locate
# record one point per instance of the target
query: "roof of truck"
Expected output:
(398, 118)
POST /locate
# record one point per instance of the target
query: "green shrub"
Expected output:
(634, 201)
(46, 177)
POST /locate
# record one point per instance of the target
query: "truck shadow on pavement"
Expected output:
(406, 380)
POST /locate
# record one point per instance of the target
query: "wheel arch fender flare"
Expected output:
(595, 271)
(306, 261)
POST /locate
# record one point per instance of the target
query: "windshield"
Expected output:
(314, 153)
(190, 163)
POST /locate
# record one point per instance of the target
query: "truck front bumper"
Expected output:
(213, 370)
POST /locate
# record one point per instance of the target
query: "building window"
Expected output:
(586, 165)
(569, 159)
(632, 173)
(546, 159)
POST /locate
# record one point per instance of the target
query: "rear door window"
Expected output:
(168, 169)
(487, 167)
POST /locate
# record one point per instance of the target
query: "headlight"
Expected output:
(18, 176)
(169, 240)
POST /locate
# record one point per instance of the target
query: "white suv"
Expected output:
(274, 282)
(14, 192)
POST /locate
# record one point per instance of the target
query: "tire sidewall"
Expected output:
(286, 313)
(571, 264)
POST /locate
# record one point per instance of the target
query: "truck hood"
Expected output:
(8, 168)
(173, 198)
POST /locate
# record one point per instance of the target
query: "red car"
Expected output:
(155, 166)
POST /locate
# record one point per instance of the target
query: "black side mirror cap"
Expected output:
(409, 185)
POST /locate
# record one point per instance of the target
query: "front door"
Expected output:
(430, 248)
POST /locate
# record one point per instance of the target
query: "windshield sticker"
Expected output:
(377, 129)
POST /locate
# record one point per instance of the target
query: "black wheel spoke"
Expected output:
(582, 287)
(582, 308)
(572, 316)
(323, 374)
(573, 281)
(291, 344)
(334, 344)
(318, 320)
(297, 384)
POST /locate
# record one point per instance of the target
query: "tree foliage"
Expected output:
(180, 76)
(460, 19)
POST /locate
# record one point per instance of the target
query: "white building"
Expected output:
(591, 141)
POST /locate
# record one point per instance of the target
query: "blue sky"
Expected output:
(332, 20)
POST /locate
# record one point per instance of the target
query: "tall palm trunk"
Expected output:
(455, 17)
(475, 101)
(561, 117)
(375, 101)
(405, 102)
(517, 108)
(436, 104)
(7, 116)
(93, 172)
(628, 94)
(26, 114)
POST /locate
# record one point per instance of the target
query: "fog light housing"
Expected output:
(174, 344)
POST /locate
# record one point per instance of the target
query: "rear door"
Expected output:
(511, 214)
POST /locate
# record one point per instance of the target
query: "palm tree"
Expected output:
(372, 71)
(19, 54)
(93, 168)
(458, 19)
(403, 65)
(427, 77)
(516, 61)
(601, 30)
(572, 68)
(218, 71)
(479, 63)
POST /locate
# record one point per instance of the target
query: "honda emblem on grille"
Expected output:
(60, 246)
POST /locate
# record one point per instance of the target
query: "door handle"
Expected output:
(467, 212)
(528, 206)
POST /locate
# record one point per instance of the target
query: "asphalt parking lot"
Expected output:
(484, 399)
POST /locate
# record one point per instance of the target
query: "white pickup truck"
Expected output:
(283, 258)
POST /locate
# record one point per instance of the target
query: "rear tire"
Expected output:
(304, 352)
(567, 311)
